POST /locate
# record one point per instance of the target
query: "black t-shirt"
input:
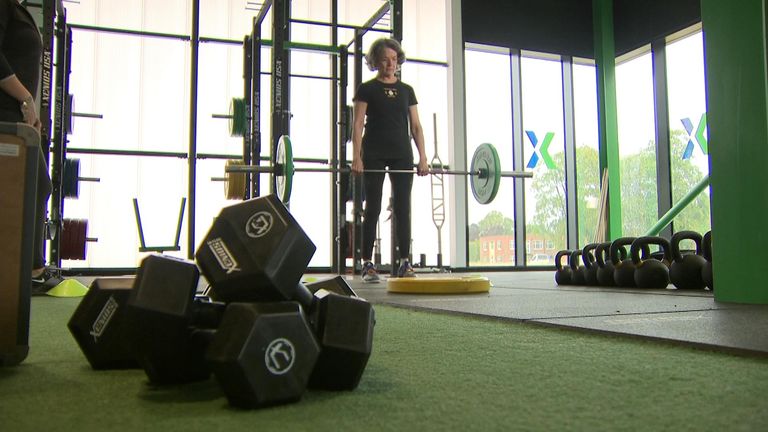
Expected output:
(21, 48)
(386, 125)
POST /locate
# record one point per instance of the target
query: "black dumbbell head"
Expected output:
(336, 285)
(344, 328)
(160, 312)
(98, 324)
(254, 251)
(263, 353)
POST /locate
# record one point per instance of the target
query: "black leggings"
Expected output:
(401, 202)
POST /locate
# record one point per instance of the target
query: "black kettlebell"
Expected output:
(605, 264)
(685, 271)
(623, 268)
(706, 270)
(562, 273)
(577, 270)
(590, 266)
(651, 272)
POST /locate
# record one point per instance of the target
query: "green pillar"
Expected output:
(608, 124)
(737, 95)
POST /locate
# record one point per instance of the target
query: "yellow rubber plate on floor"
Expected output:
(439, 285)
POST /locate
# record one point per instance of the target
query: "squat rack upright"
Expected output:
(341, 113)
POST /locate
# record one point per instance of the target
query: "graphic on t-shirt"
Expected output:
(390, 92)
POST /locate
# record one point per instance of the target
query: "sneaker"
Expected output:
(405, 269)
(370, 275)
(42, 283)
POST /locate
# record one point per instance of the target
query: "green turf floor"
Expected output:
(427, 372)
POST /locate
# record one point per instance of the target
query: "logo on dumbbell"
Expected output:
(259, 224)
(223, 255)
(102, 321)
(279, 356)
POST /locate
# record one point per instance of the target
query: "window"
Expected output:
(586, 138)
(544, 148)
(637, 150)
(489, 120)
(688, 129)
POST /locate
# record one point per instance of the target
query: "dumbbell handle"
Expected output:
(206, 314)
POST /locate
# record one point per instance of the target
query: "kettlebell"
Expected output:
(650, 272)
(577, 270)
(605, 264)
(706, 270)
(624, 268)
(562, 273)
(685, 271)
(590, 266)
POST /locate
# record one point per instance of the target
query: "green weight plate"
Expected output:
(237, 117)
(70, 183)
(486, 184)
(284, 158)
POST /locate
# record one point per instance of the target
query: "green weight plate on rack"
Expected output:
(70, 178)
(485, 184)
(284, 159)
(237, 117)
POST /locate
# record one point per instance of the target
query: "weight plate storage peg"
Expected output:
(650, 272)
(686, 269)
(486, 163)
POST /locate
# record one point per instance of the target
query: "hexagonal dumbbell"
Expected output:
(256, 251)
(261, 353)
(98, 324)
(160, 312)
(335, 284)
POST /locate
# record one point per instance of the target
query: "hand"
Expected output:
(423, 168)
(29, 113)
(357, 166)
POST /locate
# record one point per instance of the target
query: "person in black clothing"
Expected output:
(21, 49)
(387, 109)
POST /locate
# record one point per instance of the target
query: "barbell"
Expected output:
(485, 172)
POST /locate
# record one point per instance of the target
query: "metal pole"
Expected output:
(247, 92)
(256, 101)
(336, 216)
(63, 43)
(192, 175)
(677, 208)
